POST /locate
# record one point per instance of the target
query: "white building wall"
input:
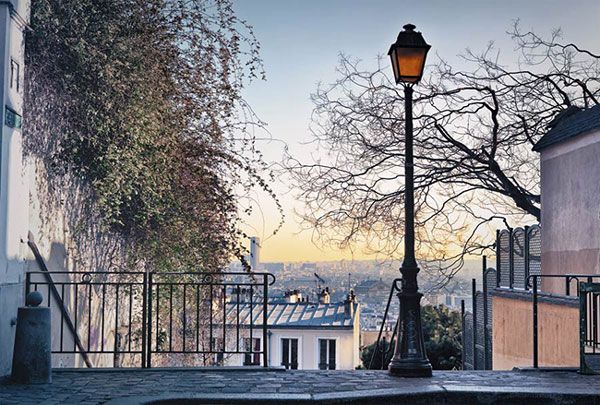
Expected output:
(347, 347)
(570, 173)
(13, 181)
(30, 205)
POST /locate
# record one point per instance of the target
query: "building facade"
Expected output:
(570, 220)
(14, 212)
(301, 335)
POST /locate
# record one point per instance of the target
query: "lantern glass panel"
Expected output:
(394, 57)
(410, 62)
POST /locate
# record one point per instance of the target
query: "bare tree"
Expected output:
(474, 133)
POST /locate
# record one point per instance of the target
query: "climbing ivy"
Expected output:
(143, 98)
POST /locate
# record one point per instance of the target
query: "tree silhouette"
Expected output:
(474, 131)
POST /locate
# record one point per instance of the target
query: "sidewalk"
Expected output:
(162, 386)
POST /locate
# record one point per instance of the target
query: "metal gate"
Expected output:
(134, 319)
(589, 342)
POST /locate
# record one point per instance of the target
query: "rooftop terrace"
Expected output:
(235, 385)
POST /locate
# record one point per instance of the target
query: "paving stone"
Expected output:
(359, 386)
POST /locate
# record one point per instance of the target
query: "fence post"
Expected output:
(149, 321)
(144, 305)
(498, 260)
(511, 259)
(462, 318)
(265, 309)
(473, 293)
(535, 322)
(485, 314)
(526, 254)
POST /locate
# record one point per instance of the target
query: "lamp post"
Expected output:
(408, 55)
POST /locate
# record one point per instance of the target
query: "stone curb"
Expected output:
(425, 395)
(207, 369)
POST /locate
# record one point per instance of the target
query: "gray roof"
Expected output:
(573, 123)
(293, 315)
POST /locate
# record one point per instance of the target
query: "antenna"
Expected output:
(319, 280)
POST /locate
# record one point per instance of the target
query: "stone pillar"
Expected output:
(32, 361)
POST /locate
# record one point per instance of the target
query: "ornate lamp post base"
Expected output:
(410, 359)
(416, 369)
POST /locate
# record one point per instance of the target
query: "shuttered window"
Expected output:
(289, 353)
(327, 354)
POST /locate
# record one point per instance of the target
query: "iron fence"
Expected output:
(97, 313)
(477, 324)
(518, 255)
(136, 318)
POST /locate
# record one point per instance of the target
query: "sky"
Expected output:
(300, 45)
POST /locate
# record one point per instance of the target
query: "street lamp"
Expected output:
(410, 358)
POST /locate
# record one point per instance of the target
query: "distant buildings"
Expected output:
(375, 290)
(274, 268)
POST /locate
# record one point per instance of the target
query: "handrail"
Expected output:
(384, 354)
(40, 261)
(263, 274)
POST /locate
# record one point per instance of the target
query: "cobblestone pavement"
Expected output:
(162, 386)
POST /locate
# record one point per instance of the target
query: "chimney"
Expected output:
(324, 297)
(293, 296)
(254, 253)
(349, 305)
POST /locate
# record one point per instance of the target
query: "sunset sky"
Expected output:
(301, 41)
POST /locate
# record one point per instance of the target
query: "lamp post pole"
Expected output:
(410, 358)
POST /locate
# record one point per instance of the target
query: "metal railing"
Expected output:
(149, 315)
(208, 314)
(589, 343)
(385, 351)
(88, 305)
(477, 323)
(533, 281)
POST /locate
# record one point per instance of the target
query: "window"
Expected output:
(289, 353)
(15, 75)
(252, 358)
(217, 344)
(326, 354)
